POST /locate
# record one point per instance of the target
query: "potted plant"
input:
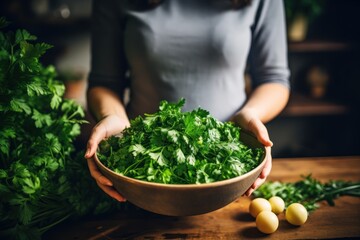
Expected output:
(299, 14)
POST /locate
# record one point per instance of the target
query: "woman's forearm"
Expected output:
(266, 102)
(103, 102)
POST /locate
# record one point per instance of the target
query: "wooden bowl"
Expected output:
(185, 199)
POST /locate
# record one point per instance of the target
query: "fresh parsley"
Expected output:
(175, 147)
(308, 191)
(42, 181)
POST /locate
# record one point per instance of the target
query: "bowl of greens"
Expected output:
(181, 163)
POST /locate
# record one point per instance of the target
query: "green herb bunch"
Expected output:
(42, 182)
(171, 146)
(308, 191)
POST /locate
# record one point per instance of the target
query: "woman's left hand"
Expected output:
(250, 122)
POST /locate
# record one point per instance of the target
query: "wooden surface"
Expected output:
(234, 221)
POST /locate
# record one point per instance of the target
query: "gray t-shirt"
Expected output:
(192, 49)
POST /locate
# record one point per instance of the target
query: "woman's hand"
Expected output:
(108, 126)
(249, 121)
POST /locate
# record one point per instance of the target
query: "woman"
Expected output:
(195, 49)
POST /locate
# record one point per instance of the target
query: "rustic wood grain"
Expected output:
(234, 221)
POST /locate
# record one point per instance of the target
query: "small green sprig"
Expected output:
(308, 191)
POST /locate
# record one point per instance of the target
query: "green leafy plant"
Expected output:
(308, 191)
(42, 181)
(308, 8)
(171, 146)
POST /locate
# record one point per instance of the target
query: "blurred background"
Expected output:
(322, 117)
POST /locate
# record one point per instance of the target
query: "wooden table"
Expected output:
(234, 221)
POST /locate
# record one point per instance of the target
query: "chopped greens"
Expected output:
(308, 191)
(175, 147)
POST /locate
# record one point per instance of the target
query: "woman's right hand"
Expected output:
(106, 127)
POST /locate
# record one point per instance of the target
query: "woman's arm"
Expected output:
(106, 82)
(104, 105)
(110, 113)
(270, 77)
(266, 102)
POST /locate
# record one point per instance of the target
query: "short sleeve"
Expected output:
(108, 64)
(268, 62)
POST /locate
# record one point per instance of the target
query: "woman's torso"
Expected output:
(191, 49)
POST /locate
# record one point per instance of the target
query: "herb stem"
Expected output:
(134, 165)
(341, 191)
(45, 228)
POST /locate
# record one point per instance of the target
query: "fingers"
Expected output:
(98, 133)
(96, 174)
(259, 181)
(268, 164)
(259, 129)
(250, 121)
(263, 175)
(107, 127)
(112, 192)
(104, 183)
